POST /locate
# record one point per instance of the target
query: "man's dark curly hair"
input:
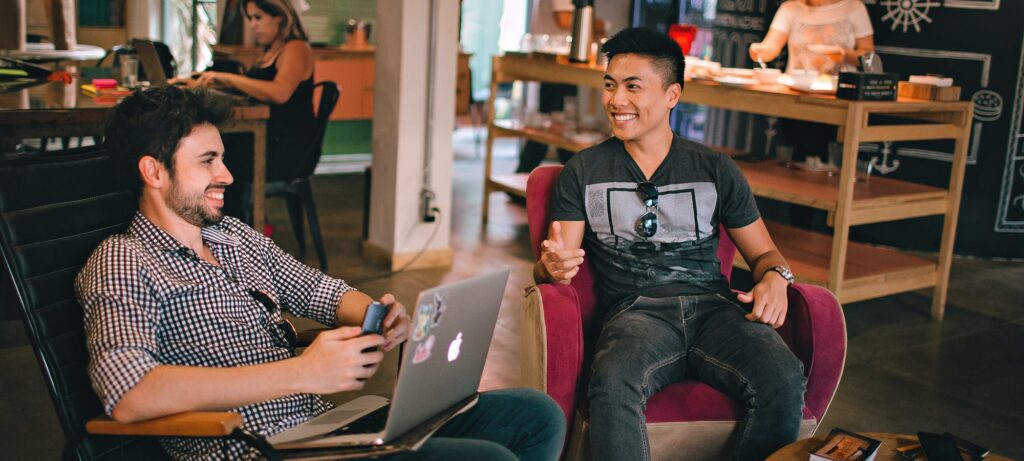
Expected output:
(153, 121)
(658, 47)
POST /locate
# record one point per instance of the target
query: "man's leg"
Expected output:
(519, 424)
(447, 449)
(638, 352)
(750, 362)
(532, 154)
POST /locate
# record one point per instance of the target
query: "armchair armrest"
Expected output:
(189, 424)
(817, 335)
(551, 349)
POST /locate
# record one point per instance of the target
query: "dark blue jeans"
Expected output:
(658, 341)
(510, 424)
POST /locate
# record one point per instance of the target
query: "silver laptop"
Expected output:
(150, 61)
(443, 360)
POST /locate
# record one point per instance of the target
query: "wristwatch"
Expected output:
(784, 272)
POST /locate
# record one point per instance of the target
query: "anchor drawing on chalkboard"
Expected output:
(883, 166)
(908, 13)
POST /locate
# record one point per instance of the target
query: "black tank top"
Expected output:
(290, 128)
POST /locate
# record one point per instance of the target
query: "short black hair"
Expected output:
(665, 52)
(153, 121)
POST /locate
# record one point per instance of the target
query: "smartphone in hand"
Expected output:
(373, 320)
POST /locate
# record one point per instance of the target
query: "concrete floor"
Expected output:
(904, 373)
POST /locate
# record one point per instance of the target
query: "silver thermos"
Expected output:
(582, 30)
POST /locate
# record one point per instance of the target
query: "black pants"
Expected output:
(808, 139)
(552, 98)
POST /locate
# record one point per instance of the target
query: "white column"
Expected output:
(144, 18)
(400, 131)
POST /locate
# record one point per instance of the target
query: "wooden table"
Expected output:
(798, 451)
(56, 109)
(852, 271)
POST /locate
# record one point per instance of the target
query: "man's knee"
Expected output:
(784, 383)
(544, 411)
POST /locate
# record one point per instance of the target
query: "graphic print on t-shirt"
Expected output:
(684, 213)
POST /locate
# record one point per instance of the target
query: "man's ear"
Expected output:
(673, 93)
(152, 172)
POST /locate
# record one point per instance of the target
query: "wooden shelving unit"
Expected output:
(851, 270)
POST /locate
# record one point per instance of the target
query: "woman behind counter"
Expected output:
(283, 78)
(819, 33)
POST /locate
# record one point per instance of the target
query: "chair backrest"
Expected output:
(329, 94)
(540, 191)
(55, 208)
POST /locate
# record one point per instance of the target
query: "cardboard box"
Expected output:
(929, 92)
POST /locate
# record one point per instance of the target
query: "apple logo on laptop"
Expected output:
(455, 348)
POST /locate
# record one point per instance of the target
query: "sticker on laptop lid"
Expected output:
(423, 350)
(439, 309)
(424, 317)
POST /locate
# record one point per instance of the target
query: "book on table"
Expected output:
(843, 445)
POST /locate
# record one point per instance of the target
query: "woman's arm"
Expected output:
(769, 48)
(862, 46)
(294, 65)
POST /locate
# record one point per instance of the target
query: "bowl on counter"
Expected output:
(802, 77)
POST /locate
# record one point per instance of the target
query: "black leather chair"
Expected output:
(55, 208)
(298, 191)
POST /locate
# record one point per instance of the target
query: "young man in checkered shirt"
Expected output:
(183, 311)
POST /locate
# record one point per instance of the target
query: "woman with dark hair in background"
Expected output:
(281, 77)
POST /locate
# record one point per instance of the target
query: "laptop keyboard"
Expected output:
(370, 423)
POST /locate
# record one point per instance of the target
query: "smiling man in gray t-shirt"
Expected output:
(646, 206)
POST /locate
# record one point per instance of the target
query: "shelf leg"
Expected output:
(847, 176)
(956, 182)
(489, 154)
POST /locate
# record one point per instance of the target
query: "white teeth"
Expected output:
(216, 195)
(624, 117)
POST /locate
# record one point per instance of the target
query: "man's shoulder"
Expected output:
(598, 153)
(116, 256)
(697, 151)
(118, 248)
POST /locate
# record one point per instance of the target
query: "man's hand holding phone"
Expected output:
(387, 318)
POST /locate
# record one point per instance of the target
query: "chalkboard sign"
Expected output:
(954, 38)
(950, 37)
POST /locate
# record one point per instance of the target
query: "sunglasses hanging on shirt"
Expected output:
(647, 224)
(283, 333)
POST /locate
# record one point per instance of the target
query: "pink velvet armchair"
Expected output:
(686, 420)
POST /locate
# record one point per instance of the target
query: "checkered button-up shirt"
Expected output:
(150, 301)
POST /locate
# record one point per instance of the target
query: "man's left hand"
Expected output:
(770, 300)
(396, 324)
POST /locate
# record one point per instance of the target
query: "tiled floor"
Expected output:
(904, 373)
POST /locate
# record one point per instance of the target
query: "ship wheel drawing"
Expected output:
(908, 13)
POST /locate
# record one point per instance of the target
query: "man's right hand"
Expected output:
(560, 265)
(336, 360)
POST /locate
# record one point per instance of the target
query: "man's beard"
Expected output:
(192, 207)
